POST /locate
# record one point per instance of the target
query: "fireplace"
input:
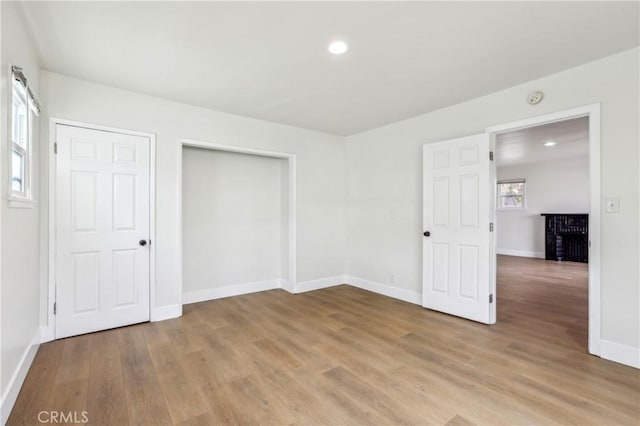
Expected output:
(566, 237)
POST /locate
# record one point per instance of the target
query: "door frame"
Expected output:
(48, 330)
(290, 284)
(591, 111)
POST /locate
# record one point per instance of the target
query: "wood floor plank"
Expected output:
(301, 399)
(108, 402)
(341, 401)
(224, 407)
(345, 356)
(377, 376)
(76, 360)
(34, 395)
(458, 420)
(278, 354)
(208, 368)
(374, 399)
(183, 398)
(69, 402)
(145, 401)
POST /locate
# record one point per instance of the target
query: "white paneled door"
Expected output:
(102, 230)
(457, 235)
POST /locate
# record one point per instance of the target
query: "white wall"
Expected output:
(385, 169)
(232, 229)
(321, 221)
(560, 186)
(19, 289)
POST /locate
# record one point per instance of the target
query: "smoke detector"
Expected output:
(535, 98)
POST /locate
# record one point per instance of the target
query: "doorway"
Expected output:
(542, 210)
(591, 114)
(459, 216)
(102, 215)
(238, 231)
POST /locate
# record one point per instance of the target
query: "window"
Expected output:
(20, 143)
(511, 194)
(24, 106)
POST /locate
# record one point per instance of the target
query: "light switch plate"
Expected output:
(612, 204)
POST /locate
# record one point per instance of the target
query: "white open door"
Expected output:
(457, 232)
(102, 230)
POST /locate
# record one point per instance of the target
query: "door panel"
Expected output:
(441, 201)
(124, 202)
(440, 268)
(83, 201)
(469, 271)
(456, 214)
(124, 276)
(102, 212)
(86, 282)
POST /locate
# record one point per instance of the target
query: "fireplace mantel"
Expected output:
(567, 237)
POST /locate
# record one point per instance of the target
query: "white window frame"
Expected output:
(20, 88)
(522, 206)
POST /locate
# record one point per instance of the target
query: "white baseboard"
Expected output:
(162, 313)
(311, 285)
(521, 253)
(285, 285)
(47, 333)
(228, 291)
(386, 290)
(301, 287)
(17, 379)
(627, 355)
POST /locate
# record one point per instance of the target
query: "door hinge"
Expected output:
(55, 147)
(491, 298)
(490, 226)
(55, 308)
(490, 155)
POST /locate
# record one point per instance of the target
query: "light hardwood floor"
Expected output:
(345, 356)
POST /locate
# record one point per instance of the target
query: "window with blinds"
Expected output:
(24, 108)
(511, 194)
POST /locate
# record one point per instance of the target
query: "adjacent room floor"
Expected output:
(345, 356)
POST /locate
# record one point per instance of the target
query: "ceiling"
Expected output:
(527, 145)
(269, 60)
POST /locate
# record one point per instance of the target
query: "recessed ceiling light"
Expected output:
(550, 143)
(338, 47)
